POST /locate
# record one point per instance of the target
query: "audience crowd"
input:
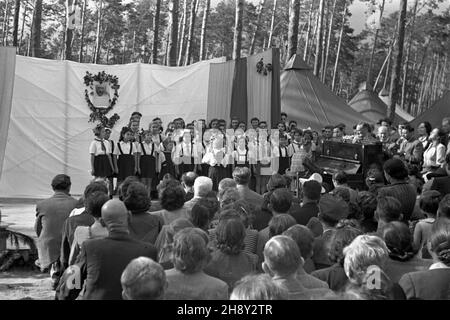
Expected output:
(178, 227)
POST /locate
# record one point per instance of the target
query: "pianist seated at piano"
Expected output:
(363, 134)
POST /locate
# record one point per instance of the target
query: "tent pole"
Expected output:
(66, 119)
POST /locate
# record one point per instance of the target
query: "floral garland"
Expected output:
(99, 114)
(262, 68)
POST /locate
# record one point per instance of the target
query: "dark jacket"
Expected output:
(102, 261)
(304, 213)
(441, 184)
(321, 248)
(403, 192)
(84, 220)
(427, 285)
(50, 216)
(335, 277)
(145, 227)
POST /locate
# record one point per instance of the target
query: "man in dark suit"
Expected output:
(50, 216)
(311, 196)
(331, 210)
(73, 221)
(242, 177)
(102, 261)
(187, 181)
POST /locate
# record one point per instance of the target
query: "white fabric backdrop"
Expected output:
(49, 131)
(7, 67)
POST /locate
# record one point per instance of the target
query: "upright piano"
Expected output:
(353, 159)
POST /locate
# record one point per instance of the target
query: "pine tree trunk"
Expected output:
(408, 54)
(395, 78)
(204, 27)
(338, 54)
(156, 32)
(83, 19)
(272, 24)
(183, 32)
(372, 55)
(258, 26)
(190, 42)
(319, 38)
(6, 24)
(98, 37)
(308, 31)
(237, 40)
(324, 38)
(67, 55)
(327, 52)
(16, 23)
(133, 48)
(172, 43)
(24, 16)
(294, 17)
(35, 45)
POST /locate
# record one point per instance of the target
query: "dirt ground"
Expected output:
(22, 283)
(25, 284)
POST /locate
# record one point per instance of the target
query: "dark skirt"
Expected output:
(102, 166)
(187, 165)
(205, 169)
(126, 166)
(167, 166)
(216, 174)
(148, 166)
(283, 165)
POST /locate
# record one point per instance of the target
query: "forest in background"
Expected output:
(406, 56)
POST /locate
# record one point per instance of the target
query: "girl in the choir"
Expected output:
(263, 169)
(214, 157)
(241, 152)
(112, 146)
(125, 156)
(101, 161)
(297, 153)
(280, 152)
(148, 151)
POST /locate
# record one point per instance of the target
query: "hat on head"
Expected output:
(333, 207)
(316, 177)
(430, 194)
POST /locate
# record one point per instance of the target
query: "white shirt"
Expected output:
(148, 148)
(434, 156)
(96, 147)
(125, 146)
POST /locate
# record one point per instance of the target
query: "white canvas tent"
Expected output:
(48, 132)
(308, 101)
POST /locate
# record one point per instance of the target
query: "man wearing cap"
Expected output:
(102, 261)
(311, 190)
(331, 211)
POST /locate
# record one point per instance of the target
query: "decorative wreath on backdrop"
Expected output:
(99, 114)
(263, 68)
